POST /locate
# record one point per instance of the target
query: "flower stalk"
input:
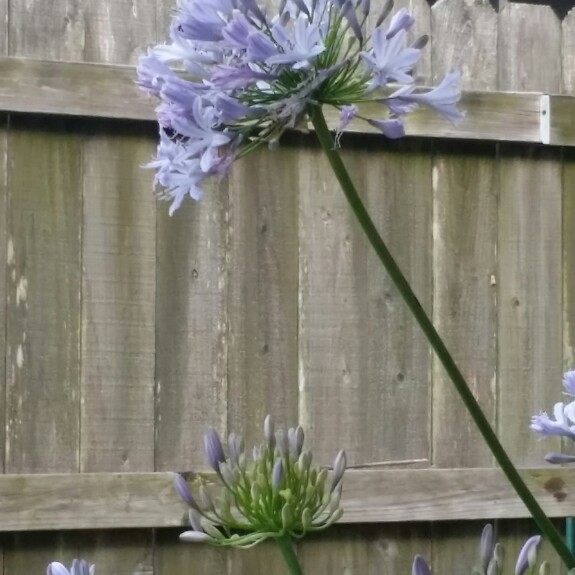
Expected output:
(285, 545)
(408, 295)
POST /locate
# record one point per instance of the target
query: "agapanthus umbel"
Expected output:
(234, 77)
(277, 491)
(562, 423)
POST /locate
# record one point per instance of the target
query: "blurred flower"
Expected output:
(275, 492)
(569, 382)
(563, 414)
(232, 78)
(79, 567)
(528, 555)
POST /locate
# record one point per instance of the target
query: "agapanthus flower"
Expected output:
(78, 567)
(233, 77)
(275, 491)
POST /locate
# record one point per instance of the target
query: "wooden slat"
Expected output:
(118, 312)
(144, 500)
(101, 90)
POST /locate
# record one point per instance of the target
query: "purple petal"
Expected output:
(486, 546)
(558, 458)
(214, 450)
(393, 128)
(277, 475)
(569, 382)
(420, 567)
(183, 490)
(56, 568)
(401, 20)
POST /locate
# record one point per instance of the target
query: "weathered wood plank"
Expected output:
(529, 249)
(465, 266)
(43, 292)
(99, 90)
(465, 39)
(145, 500)
(191, 360)
(3, 306)
(568, 53)
(364, 366)
(118, 311)
(263, 292)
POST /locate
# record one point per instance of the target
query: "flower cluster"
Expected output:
(277, 491)
(232, 78)
(79, 567)
(491, 556)
(563, 421)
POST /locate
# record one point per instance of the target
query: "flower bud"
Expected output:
(545, 568)
(277, 475)
(205, 499)
(387, 8)
(339, 466)
(213, 449)
(269, 432)
(195, 520)
(212, 530)
(420, 567)
(486, 546)
(287, 516)
(227, 475)
(528, 555)
(195, 536)
(306, 519)
(183, 490)
(296, 439)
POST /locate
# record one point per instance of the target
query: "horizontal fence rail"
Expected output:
(145, 500)
(109, 91)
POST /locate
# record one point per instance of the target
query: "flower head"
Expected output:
(232, 78)
(277, 491)
(79, 567)
(564, 414)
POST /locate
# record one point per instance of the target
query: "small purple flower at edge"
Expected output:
(214, 450)
(569, 382)
(543, 424)
(79, 567)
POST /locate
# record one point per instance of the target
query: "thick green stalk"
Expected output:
(434, 339)
(285, 545)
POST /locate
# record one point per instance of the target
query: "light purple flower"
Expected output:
(390, 60)
(214, 450)
(393, 128)
(486, 546)
(528, 555)
(183, 490)
(260, 47)
(231, 77)
(203, 21)
(237, 30)
(558, 458)
(569, 382)
(443, 98)
(346, 115)
(79, 567)
(543, 424)
(401, 20)
(152, 74)
(298, 48)
(339, 466)
(420, 567)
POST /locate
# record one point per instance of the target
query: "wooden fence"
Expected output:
(125, 333)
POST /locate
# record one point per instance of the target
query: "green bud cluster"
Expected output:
(275, 491)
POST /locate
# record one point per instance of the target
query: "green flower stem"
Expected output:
(285, 544)
(363, 217)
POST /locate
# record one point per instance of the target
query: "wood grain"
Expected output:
(102, 90)
(145, 500)
(465, 266)
(364, 366)
(465, 39)
(118, 292)
(568, 53)
(263, 292)
(529, 250)
(43, 294)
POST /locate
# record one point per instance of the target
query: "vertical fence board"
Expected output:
(3, 306)
(465, 245)
(464, 38)
(118, 258)
(568, 53)
(191, 383)
(263, 292)
(364, 365)
(43, 294)
(262, 305)
(529, 250)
